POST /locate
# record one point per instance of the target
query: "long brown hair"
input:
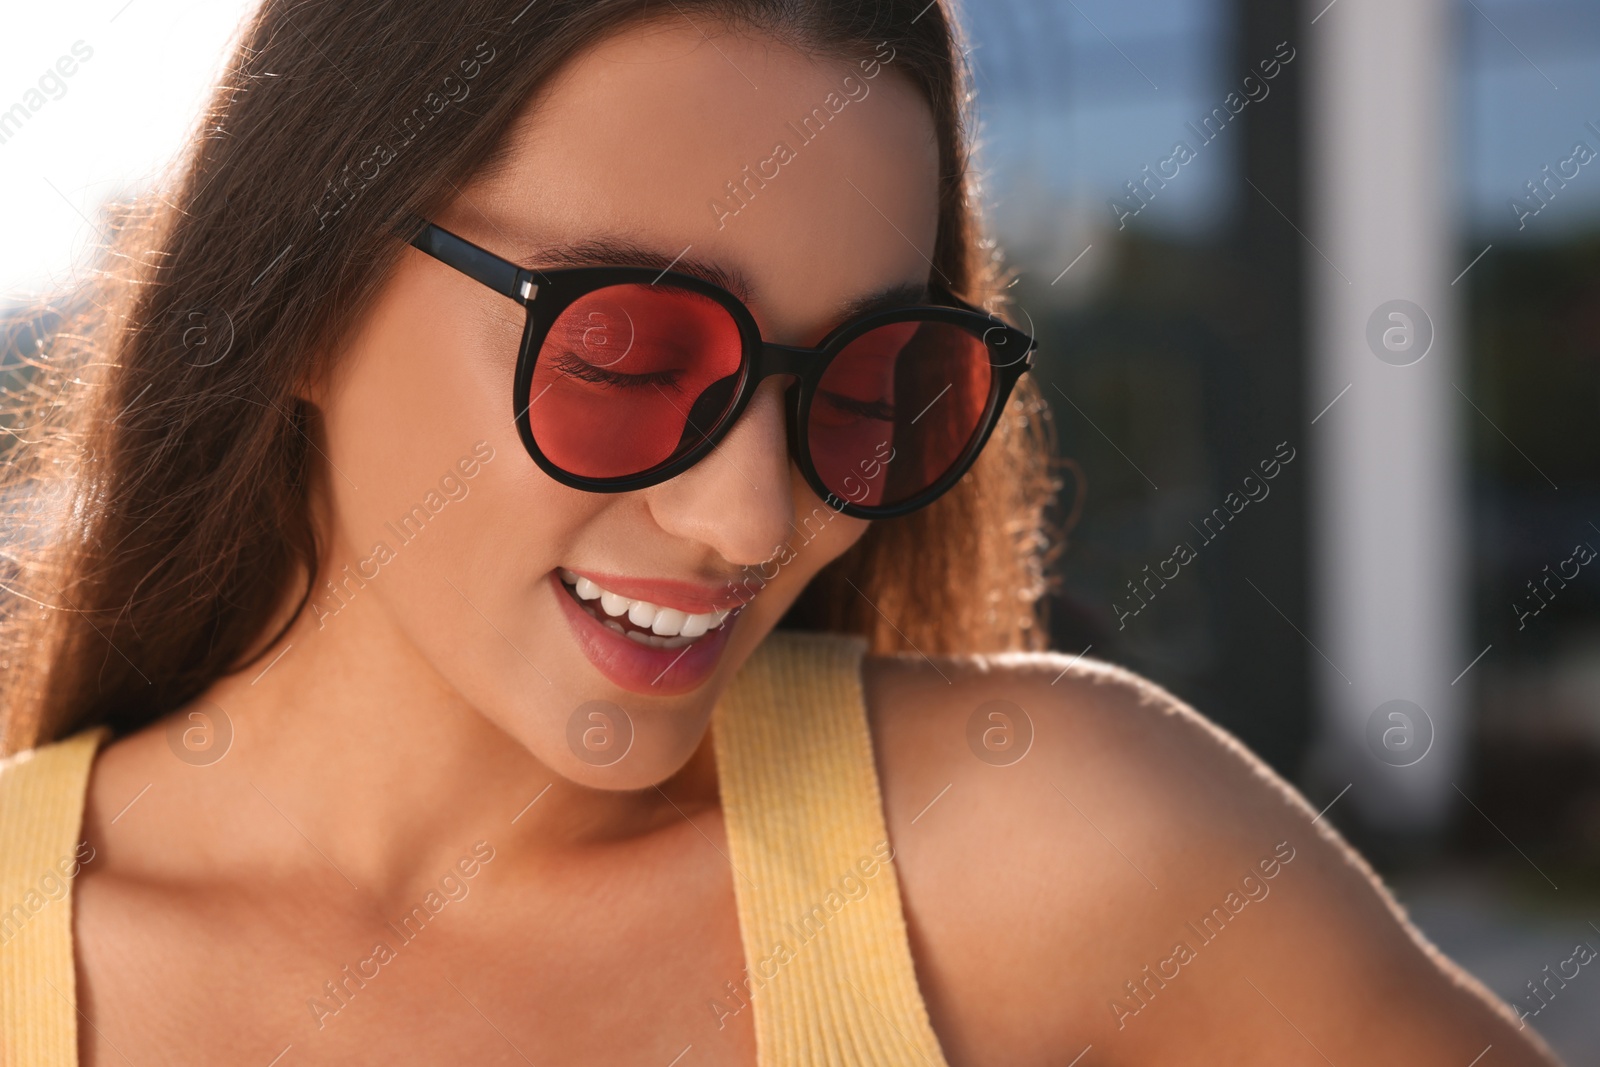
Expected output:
(161, 466)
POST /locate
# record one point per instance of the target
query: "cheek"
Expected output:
(422, 395)
(819, 535)
(427, 378)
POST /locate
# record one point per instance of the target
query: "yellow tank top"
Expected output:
(829, 978)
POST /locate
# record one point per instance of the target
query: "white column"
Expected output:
(1388, 519)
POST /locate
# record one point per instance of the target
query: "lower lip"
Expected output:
(640, 668)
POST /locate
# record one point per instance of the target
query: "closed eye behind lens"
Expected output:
(575, 366)
(881, 410)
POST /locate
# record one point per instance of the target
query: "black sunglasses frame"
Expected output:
(546, 294)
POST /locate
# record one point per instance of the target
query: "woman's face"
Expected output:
(457, 543)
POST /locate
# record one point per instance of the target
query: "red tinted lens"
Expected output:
(896, 409)
(633, 376)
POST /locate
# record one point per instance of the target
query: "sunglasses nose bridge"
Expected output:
(787, 361)
(783, 359)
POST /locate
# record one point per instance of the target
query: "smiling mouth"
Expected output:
(639, 620)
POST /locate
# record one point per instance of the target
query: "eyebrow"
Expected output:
(621, 252)
(910, 294)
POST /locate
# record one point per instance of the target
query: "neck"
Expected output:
(390, 772)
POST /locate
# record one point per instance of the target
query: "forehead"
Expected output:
(808, 178)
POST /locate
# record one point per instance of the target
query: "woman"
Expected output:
(389, 722)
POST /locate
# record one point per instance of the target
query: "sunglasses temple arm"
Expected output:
(956, 300)
(501, 275)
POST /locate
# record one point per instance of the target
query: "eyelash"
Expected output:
(867, 409)
(577, 367)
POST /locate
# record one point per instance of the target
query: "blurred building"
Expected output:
(1209, 256)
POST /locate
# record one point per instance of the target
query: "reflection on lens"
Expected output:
(897, 409)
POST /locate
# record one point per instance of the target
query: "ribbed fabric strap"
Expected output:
(41, 822)
(831, 980)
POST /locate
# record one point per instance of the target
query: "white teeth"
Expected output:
(667, 625)
(652, 641)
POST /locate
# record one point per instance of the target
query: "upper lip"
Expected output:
(688, 597)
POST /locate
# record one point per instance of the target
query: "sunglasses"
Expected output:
(629, 376)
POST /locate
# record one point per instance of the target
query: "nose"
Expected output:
(738, 500)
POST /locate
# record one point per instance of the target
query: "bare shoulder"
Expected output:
(1135, 879)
